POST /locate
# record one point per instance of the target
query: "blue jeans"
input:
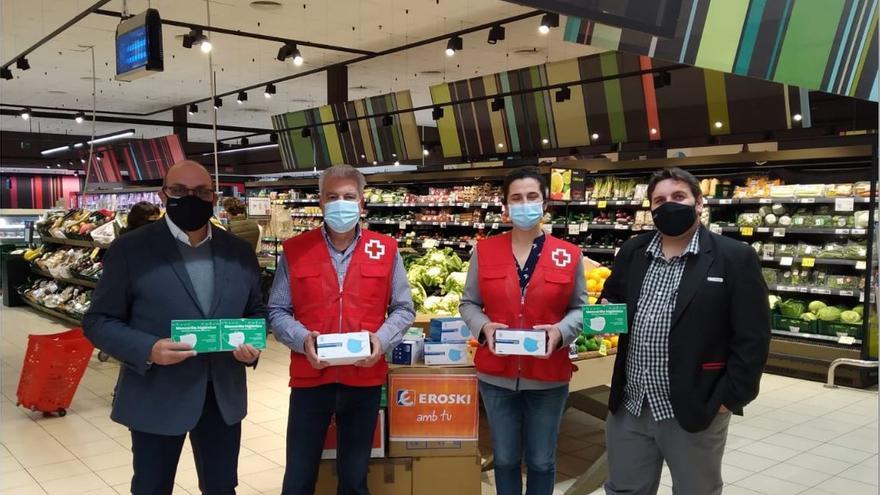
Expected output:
(524, 418)
(356, 410)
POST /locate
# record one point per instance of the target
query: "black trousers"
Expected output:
(356, 410)
(215, 447)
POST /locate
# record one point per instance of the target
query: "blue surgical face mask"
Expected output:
(526, 215)
(342, 215)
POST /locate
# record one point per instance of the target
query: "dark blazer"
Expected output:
(145, 285)
(720, 334)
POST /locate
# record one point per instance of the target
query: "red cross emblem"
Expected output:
(561, 258)
(375, 249)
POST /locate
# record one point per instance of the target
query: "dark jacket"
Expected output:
(145, 285)
(245, 228)
(720, 334)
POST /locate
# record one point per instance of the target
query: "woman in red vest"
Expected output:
(525, 280)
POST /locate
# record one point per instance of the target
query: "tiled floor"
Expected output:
(797, 438)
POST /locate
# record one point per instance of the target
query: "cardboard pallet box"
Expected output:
(385, 477)
(412, 476)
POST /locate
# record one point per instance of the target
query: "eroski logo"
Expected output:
(409, 398)
(405, 398)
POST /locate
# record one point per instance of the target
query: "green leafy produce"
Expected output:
(454, 283)
(433, 276)
(450, 303)
(816, 306)
(829, 314)
(415, 274)
(418, 294)
(860, 310)
(792, 308)
(774, 301)
(850, 317)
(809, 317)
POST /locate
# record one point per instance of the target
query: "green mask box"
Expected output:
(605, 318)
(219, 335)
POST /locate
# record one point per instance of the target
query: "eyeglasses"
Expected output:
(177, 192)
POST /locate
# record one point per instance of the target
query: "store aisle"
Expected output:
(798, 438)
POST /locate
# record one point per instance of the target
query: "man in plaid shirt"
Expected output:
(699, 338)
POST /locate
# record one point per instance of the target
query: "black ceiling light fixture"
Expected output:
(496, 34)
(342, 127)
(193, 109)
(242, 97)
(548, 21)
(306, 132)
(218, 102)
(497, 104)
(197, 37)
(387, 121)
(269, 91)
(289, 50)
(453, 45)
(79, 117)
(437, 113)
(6, 73)
(564, 94)
(22, 64)
(662, 79)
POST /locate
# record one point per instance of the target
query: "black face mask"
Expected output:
(189, 212)
(673, 219)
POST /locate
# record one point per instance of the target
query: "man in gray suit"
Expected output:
(178, 268)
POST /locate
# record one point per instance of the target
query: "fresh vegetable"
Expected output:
(785, 220)
(778, 209)
(418, 294)
(770, 219)
(774, 301)
(829, 314)
(455, 283)
(809, 317)
(850, 317)
(860, 310)
(816, 306)
(792, 308)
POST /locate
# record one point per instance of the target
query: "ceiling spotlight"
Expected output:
(425, 152)
(497, 104)
(563, 94)
(375, 162)
(453, 45)
(306, 132)
(595, 136)
(363, 156)
(387, 121)
(653, 131)
(396, 163)
(273, 138)
(269, 91)
(242, 97)
(545, 141)
(550, 20)
(79, 117)
(718, 125)
(197, 37)
(6, 73)
(218, 102)
(496, 34)
(193, 109)
(342, 127)
(500, 145)
(393, 155)
(289, 50)
(437, 113)
(245, 141)
(25, 113)
(797, 117)
(22, 64)
(662, 79)
(82, 160)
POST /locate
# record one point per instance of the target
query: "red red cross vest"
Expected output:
(545, 303)
(321, 305)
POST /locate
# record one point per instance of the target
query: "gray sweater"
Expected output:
(570, 326)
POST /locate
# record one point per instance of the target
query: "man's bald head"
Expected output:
(188, 173)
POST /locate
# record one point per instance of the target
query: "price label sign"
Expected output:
(808, 262)
(494, 225)
(480, 226)
(429, 243)
(844, 204)
(861, 265)
(715, 229)
(443, 225)
(484, 205)
(779, 232)
(574, 229)
(602, 204)
(859, 231)
(847, 293)
(466, 205)
(764, 201)
(747, 231)
(646, 203)
(786, 261)
(585, 227)
(725, 201)
(846, 340)
(259, 207)
(808, 200)
(402, 225)
(763, 230)
(462, 245)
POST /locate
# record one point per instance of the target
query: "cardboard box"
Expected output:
(408, 352)
(447, 475)
(343, 348)
(433, 449)
(219, 335)
(378, 450)
(385, 477)
(515, 342)
(578, 185)
(449, 330)
(605, 318)
(442, 354)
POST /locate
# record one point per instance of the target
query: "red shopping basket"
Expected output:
(53, 366)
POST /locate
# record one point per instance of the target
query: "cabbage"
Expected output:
(455, 283)
(433, 276)
(850, 317)
(829, 314)
(774, 300)
(450, 303)
(816, 306)
(860, 310)
(809, 317)
(433, 304)
(792, 308)
(415, 274)
(418, 295)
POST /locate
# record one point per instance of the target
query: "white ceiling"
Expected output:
(61, 77)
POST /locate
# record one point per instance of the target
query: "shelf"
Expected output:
(421, 242)
(74, 242)
(477, 204)
(595, 202)
(592, 250)
(822, 291)
(306, 215)
(795, 230)
(813, 336)
(51, 312)
(296, 201)
(602, 226)
(783, 201)
(818, 261)
(407, 223)
(70, 281)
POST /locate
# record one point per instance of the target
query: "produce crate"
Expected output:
(794, 324)
(840, 329)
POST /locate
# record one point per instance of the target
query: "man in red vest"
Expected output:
(337, 279)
